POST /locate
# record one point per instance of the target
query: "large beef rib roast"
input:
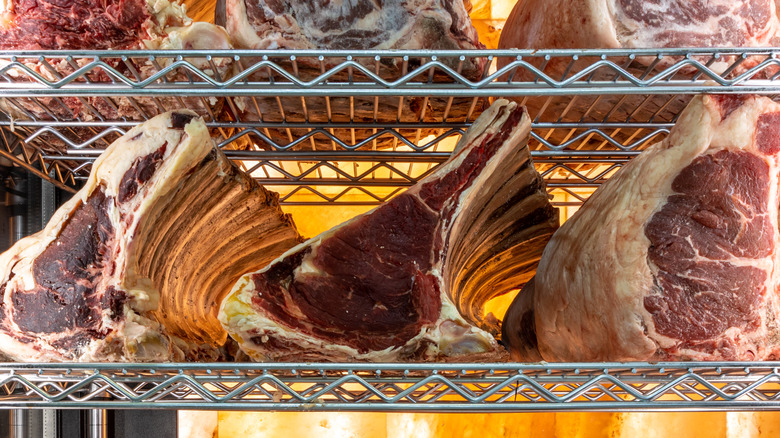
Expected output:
(106, 25)
(384, 285)
(353, 24)
(133, 267)
(675, 257)
(356, 25)
(612, 24)
(630, 25)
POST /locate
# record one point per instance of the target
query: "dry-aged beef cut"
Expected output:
(381, 286)
(103, 25)
(608, 24)
(78, 24)
(133, 266)
(675, 257)
(356, 25)
(351, 24)
(630, 24)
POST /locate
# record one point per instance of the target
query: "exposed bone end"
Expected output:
(505, 221)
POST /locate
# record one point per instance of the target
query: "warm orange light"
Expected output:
(309, 424)
(534, 425)
(201, 10)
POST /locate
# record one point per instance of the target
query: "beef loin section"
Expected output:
(361, 24)
(381, 286)
(122, 272)
(549, 24)
(356, 25)
(675, 257)
(631, 24)
(79, 24)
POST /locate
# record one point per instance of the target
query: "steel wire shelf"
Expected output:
(497, 387)
(330, 124)
(654, 70)
(399, 111)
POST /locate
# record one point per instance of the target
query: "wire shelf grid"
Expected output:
(399, 111)
(332, 127)
(395, 387)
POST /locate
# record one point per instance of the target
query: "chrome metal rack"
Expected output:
(356, 127)
(326, 127)
(395, 387)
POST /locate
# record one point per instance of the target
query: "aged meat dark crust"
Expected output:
(630, 24)
(122, 272)
(104, 25)
(440, 24)
(73, 25)
(381, 286)
(675, 257)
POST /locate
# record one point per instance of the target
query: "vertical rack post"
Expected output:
(20, 423)
(96, 427)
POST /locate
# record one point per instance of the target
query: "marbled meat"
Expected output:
(675, 257)
(122, 271)
(105, 25)
(356, 25)
(381, 286)
(611, 24)
(632, 24)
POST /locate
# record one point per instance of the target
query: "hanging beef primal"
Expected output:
(381, 286)
(133, 266)
(675, 257)
(356, 25)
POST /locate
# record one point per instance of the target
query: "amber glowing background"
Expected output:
(488, 17)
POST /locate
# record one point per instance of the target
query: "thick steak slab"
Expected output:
(381, 287)
(608, 24)
(131, 268)
(632, 24)
(356, 25)
(675, 257)
(106, 25)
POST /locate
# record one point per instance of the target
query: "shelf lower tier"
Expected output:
(500, 387)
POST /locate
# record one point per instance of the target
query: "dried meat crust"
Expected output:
(384, 286)
(133, 266)
(673, 258)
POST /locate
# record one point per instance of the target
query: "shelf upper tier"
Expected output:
(357, 126)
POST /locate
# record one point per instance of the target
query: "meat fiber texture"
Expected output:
(356, 25)
(133, 266)
(613, 24)
(629, 24)
(675, 257)
(104, 25)
(384, 285)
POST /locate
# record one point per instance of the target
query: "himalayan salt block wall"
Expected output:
(494, 425)
(201, 10)
(524, 425)
(309, 424)
(197, 424)
(313, 220)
